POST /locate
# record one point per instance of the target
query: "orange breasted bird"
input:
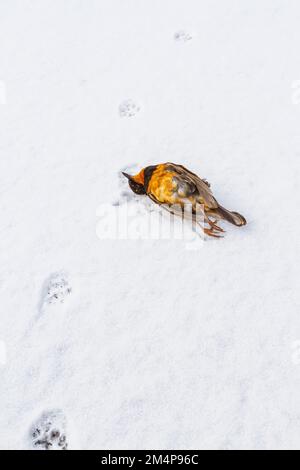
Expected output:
(172, 185)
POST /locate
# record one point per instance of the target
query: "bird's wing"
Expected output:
(176, 209)
(203, 189)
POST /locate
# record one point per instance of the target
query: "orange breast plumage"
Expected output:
(163, 186)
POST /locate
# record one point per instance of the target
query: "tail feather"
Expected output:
(233, 217)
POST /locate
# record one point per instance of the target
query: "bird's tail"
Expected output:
(233, 217)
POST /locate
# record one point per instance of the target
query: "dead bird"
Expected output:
(173, 186)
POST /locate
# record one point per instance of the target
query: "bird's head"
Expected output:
(136, 182)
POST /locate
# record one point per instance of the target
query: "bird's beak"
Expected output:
(127, 176)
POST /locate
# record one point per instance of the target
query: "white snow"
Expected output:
(148, 344)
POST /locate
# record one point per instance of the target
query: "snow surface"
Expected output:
(145, 344)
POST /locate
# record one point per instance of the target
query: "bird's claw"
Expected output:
(211, 233)
(214, 226)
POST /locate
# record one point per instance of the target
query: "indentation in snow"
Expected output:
(49, 431)
(125, 194)
(56, 290)
(128, 108)
(182, 36)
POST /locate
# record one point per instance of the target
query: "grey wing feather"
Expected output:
(203, 189)
(174, 209)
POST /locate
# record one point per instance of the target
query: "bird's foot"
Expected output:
(213, 225)
(210, 232)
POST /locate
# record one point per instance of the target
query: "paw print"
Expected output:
(57, 289)
(182, 36)
(48, 433)
(128, 108)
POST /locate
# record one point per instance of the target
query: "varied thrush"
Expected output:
(172, 185)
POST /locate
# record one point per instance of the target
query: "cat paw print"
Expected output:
(56, 290)
(128, 108)
(49, 431)
(182, 36)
